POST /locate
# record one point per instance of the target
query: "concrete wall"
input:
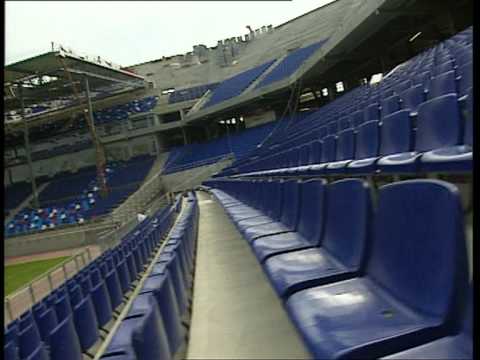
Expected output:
(55, 240)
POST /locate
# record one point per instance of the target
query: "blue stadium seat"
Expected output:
(342, 246)
(10, 351)
(412, 98)
(402, 308)
(456, 346)
(390, 105)
(366, 149)
(309, 227)
(160, 286)
(438, 126)
(29, 341)
(86, 324)
(465, 81)
(442, 84)
(46, 322)
(288, 216)
(345, 152)
(456, 158)
(329, 145)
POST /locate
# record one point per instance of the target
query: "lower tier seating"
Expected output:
(69, 321)
(361, 276)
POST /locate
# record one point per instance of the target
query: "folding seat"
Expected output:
(371, 112)
(309, 220)
(329, 145)
(344, 123)
(10, 351)
(401, 87)
(272, 204)
(101, 300)
(438, 126)
(442, 84)
(458, 345)
(332, 127)
(124, 275)
(63, 308)
(11, 334)
(345, 152)
(342, 245)
(85, 322)
(160, 286)
(390, 105)
(64, 343)
(114, 289)
(75, 294)
(46, 321)
(455, 158)
(390, 307)
(141, 335)
(412, 98)
(443, 67)
(170, 264)
(357, 118)
(465, 80)
(287, 220)
(315, 152)
(367, 143)
(29, 343)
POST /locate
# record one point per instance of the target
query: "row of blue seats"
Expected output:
(290, 63)
(235, 85)
(195, 155)
(67, 322)
(436, 72)
(190, 93)
(358, 278)
(438, 139)
(155, 326)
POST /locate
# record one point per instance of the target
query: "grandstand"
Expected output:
(313, 201)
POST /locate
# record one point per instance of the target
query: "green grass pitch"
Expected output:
(20, 274)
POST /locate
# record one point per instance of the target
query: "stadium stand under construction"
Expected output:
(312, 201)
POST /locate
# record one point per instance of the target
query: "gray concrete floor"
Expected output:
(236, 313)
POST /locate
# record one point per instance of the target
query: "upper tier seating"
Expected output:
(190, 93)
(74, 199)
(236, 84)
(417, 119)
(16, 193)
(122, 112)
(290, 63)
(194, 155)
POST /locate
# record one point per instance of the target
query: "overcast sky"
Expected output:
(128, 33)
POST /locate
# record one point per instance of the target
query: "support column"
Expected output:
(26, 138)
(100, 158)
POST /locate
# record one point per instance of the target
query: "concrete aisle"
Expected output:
(236, 313)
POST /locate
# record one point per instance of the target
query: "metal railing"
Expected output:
(25, 297)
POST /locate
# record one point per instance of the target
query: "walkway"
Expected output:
(236, 313)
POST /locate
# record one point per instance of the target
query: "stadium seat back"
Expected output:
(419, 264)
(347, 224)
(396, 133)
(345, 145)
(64, 343)
(438, 123)
(312, 211)
(291, 204)
(329, 145)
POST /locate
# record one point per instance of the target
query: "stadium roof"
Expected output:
(59, 75)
